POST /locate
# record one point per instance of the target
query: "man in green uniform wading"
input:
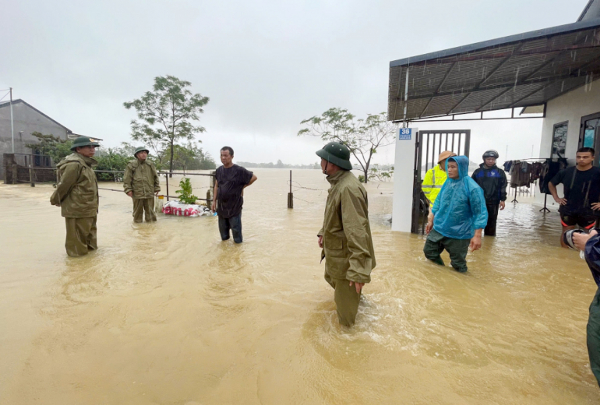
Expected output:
(346, 235)
(141, 184)
(77, 196)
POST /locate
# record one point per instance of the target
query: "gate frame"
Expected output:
(416, 208)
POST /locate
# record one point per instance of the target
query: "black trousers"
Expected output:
(234, 224)
(490, 228)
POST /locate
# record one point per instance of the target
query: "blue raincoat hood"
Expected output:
(460, 207)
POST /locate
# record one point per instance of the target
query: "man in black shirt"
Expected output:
(581, 185)
(230, 182)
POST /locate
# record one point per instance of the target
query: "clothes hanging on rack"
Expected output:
(520, 174)
(549, 170)
(536, 170)
(523, 173)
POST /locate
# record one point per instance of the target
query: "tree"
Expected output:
(361, 136)
(191, 157)
(50, 145)
(381, 174)
(166, 114)
(112, 159)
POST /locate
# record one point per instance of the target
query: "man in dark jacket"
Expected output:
(77, 196)
(141, 183)
(493, 182)
(346, 235)
(590, 245)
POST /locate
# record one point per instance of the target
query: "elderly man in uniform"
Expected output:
(77, 195)
(141, 183)
(346, 235)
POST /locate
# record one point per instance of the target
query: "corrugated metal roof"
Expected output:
(591, 11)
(515, 71)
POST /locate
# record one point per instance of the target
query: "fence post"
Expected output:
(290, 194)
(31, 171)
(167, 179)
(210, 192)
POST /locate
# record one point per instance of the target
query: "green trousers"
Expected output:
(593, 336)
(81, 236)
(142, 205)
(457, 248)
(346, 300)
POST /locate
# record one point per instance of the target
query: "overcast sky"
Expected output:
(265, 65)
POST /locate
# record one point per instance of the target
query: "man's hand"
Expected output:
(213, 206)
(428, 227)
(358, 286)
(580, 239)
(596, 206)
(130, 194)
(502, 205)
(475, 243)
(321, 241)
(561, 201)
(156, 193)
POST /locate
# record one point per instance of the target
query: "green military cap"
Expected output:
(84, 141)
(140, 149)
(336, 153)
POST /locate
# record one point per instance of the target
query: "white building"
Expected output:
(553, 71)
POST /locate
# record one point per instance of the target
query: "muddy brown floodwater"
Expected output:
(166, 313)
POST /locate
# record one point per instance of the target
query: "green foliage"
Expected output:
(185, 194)
(191, 157)
(165, 115)
(112, 159)
(361, 136)
(375, 173)
(361, 178)
(52, 146)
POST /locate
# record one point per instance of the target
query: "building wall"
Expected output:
(26, 120)
(569, 107)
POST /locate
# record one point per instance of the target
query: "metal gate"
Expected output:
(428, 146)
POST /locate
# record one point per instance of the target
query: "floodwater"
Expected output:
(166, 313)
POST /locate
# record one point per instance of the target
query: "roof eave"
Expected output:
(561, 29)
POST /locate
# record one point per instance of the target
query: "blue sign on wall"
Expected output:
(405, 134)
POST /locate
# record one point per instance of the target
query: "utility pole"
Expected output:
(12, 126)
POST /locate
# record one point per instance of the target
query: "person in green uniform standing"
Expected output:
(346, 234)
(77, 196)
(141, 183)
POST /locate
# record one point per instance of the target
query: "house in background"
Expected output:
(26, 120)
(553, 71)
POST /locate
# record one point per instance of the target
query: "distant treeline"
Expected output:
(278, 165)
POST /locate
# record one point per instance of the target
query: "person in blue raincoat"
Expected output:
(459, 216)
(590, 245)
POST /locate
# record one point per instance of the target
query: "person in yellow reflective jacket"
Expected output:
(435, 178)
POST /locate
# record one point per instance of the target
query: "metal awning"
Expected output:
(516, 71)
